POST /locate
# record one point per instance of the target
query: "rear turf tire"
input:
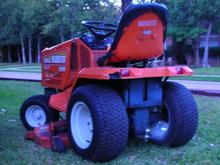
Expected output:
(108, 123)
(179, 119)
(35, 111)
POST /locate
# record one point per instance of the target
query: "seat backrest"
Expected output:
(140, 34)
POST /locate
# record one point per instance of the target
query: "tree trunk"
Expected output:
(125, 4)
(18, 55)
(197, 59)
(72, 34)
(205, 62)
(61, 34)
(23, 48)
(38, 48)
(180, 56)
(1, 54)
(9, 54)
(30, 49)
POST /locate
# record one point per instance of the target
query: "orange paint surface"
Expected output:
(60, 101)
(142, 39)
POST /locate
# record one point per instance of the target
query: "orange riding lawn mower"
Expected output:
(99, 91)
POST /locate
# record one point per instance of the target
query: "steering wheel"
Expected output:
(99, 29)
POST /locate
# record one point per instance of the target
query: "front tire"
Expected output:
(178, 119)
(97, 122)
(36, 112)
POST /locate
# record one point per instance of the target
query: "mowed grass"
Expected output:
(195, 78)
(207, 71)
(33, 68)
(203, 74)
(11, 65)
(204, 148)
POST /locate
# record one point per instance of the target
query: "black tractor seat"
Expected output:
(129, 15)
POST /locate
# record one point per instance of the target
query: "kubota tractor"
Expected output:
(108, 89)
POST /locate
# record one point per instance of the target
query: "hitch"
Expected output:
(141, 124)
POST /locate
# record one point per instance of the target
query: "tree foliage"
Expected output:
(30, 25)
(26, 22)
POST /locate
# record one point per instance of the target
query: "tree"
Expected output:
(184, 24)
(26, 22)
(190, 19)
(35, 16)
(16, 26)
(8, 35)
(208, 16)
(3, 15)
(68, 14)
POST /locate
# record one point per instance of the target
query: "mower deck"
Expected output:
(43, 135)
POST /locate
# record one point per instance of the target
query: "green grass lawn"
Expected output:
(194, 78)
(33, 68)
(203, 74)
(203, 149)
(207, 71)
(9, 65)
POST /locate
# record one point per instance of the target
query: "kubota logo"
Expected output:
(145, 23)
(55, 59)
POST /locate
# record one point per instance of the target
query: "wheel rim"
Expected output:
(81, 125)
(35, 116)
(160, 128)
